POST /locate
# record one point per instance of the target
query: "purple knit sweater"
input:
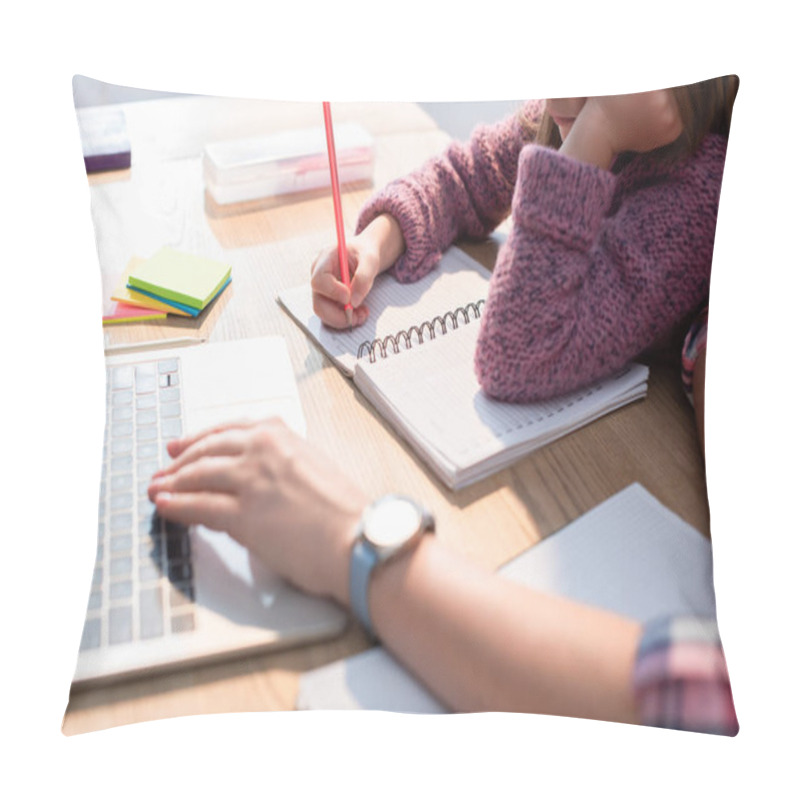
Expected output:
(598, 266)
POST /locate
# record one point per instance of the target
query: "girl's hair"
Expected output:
(704, 107)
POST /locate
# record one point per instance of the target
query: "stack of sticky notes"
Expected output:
(170, 282)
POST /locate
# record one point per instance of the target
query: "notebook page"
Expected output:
(629, 555)
(432, 395)
(393, 306)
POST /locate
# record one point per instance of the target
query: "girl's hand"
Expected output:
(610, 125)
(374, 250)
(637, 122)
(272, 492)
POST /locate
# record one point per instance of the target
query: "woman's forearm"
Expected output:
(482, 643)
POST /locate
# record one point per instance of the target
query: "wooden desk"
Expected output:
(160, 201)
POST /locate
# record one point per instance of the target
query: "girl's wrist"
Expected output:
(384, 237)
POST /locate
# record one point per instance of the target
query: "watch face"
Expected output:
(392, 522)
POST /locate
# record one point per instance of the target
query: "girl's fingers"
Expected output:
(329, 286)
(333, 314)
(212, 474)
(215, 511)
(360, 286)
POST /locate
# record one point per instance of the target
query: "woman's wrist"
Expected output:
(338, 569)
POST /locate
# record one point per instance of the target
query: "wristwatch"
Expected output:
(389, 526)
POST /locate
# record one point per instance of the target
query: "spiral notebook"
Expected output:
(413, 360)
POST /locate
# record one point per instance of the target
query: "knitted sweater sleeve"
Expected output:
(464, 192)
(591, 276)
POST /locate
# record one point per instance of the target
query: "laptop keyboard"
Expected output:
(142, 584)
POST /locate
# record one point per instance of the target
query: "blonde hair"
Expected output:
(705, 107)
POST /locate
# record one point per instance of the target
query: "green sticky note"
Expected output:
(182, 277)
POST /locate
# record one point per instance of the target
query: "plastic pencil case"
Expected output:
(284, 163)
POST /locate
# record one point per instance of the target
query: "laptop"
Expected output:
(164, 596)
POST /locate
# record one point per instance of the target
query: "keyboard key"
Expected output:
(151, 613)
(91, 634)
(145, 401)
(97, 576)
(145, 433)
(121, 481)
(170, 395)
(145, 378)
(169, 410)
(145, 507)
(167, 365)
(121, 522)
(122, 413)
(121, 566)
(145, 370)
(145, 387)
(123, 398)
(95, 600)
(121, 590)
(150, 528)
(121, 544)
(123, 428)
(120, 625)
(179, 571)
(149, 571)
(121, 447)
(147, 450)
(121, 501)
(145, 469)
(122, 464)
(178, 548)
(147, 416)
(171, 428)
(150, 550)
(121, 377)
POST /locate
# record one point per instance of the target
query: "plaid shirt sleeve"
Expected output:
(681, 679)
(693, 345)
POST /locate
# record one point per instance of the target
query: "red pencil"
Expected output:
(344, 267)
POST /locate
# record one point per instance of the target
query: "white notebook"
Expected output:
(414, 358)
(629, 555)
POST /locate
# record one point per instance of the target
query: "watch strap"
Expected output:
(362, 561)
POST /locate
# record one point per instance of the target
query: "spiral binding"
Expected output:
(381, 346)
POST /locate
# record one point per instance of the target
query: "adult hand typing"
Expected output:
(272, 492)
